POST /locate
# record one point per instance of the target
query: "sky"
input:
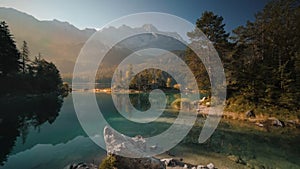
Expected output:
(96, 13)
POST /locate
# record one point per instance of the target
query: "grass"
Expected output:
(239, 106)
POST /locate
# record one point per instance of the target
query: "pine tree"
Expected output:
(9, 54)
(24, 56)
(212, 26)
(214, 29)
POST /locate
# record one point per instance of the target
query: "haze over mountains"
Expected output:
(61, 42)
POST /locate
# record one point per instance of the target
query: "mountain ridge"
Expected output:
(57, 41)
(61, 42)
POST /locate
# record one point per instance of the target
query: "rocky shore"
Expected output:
(121, 148)
(144, 164)
(119, 144)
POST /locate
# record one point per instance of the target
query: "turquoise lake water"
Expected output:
(45, 133)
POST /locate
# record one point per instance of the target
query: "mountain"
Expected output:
(61, 42)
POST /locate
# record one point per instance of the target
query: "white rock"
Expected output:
(210, 166)
(259, 124)
(200, 167)
(119, 144)
(166, 161)
(185, 166)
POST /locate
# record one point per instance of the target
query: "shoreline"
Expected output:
(192, 153)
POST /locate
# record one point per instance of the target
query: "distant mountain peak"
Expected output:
(60, 42)
(149, 28)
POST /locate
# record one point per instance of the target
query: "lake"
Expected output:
(45, 133)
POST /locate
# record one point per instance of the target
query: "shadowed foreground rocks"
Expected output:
(81, 166)
(130, 147)
(119, 144)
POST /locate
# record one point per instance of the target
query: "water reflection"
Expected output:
(18, 114)
(142, 101)
(64, 142)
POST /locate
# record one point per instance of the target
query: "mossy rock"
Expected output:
(108, 163)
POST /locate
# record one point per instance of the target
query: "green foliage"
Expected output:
(261, 61)
(199, 71)
(212, 26)
(24, 57)
(150, 79)
(46, 76)
(108, 163)
(266, 51)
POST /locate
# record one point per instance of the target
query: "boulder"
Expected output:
(210, 166)
(138, 163)
(121, 145)
(167, 161)
(118, 144)
(276, 122)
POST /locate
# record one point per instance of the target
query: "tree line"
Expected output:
(21, 75)
(261, 59)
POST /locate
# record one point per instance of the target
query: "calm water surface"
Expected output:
(45, 133)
